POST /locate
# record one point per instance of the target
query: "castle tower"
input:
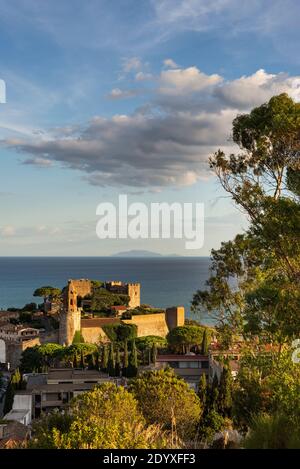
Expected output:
(175, 317)
(134, 292)
(70, 315)
(69, 323)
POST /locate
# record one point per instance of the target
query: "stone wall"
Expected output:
(149, 324)
(69, 323)
(134, 292)
(82, 287)
(94, 335)
(49, 337)
(175, 316)
(14, 350)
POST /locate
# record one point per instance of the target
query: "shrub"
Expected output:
(105, 418)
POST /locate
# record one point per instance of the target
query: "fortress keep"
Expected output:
(91, 329)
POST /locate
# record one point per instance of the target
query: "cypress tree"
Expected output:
(225, 392)
(97, 361)
(214, 393)
(75, 364)
(204, 346)
(202, 390)
(104, 359)
(146, 356)
(9, 398)
(16, 379)
(132, 362)
(81, 360)
(111, 366)
(118, 363)
(125, 360)
(153, 353)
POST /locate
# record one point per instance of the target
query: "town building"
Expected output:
(190, 367)
(14, 339)
(54, 389)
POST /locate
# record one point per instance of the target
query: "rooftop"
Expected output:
(16, 415)
(171, 357)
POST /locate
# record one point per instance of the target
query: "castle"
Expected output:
(70, 320)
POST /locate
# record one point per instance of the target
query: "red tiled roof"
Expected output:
(182, 357)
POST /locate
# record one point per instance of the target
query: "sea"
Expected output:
(165, 281)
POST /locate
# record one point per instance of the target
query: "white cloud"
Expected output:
(186, 81)
(8, 231)
(169, 63)
(38, 161)
(257, 88)
(189, 116)
(142, 76)
(117, 93)
(131, 64)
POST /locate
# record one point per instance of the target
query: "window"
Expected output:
(190, 364)
(172, 364)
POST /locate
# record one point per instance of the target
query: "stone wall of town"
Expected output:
(14, 350)
(149, 324)
(93, 335)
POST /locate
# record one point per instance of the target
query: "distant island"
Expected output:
(141, 253)
(137, 253)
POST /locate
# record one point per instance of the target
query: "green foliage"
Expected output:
(266, 383)
(277, 431)
(103, 299)
(132, 368)
(119, 333)
(145, 309)
(153, 353)
(105, 418)
(97, 284)
(78, 338)
(293, 180)
(75, 362)
(111, 366)
(167, 399)
(125, 359)
(47, 291)
(216, 399)
(204, 345)
(82, 361)
(254, 282)
(9, 398)
(15, 384)
(182, 338)
(80, 348)
(104, 364)
(147, 341)
(202, 390)
(213, 422)
(118, 366)
(225, 392)
(30, 307)
(47, 355)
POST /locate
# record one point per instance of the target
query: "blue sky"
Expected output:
(109, 97)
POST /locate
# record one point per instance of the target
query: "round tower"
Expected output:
(70, 316)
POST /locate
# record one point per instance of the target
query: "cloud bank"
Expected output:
(167, 142)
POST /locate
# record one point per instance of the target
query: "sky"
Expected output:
(131, 97)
